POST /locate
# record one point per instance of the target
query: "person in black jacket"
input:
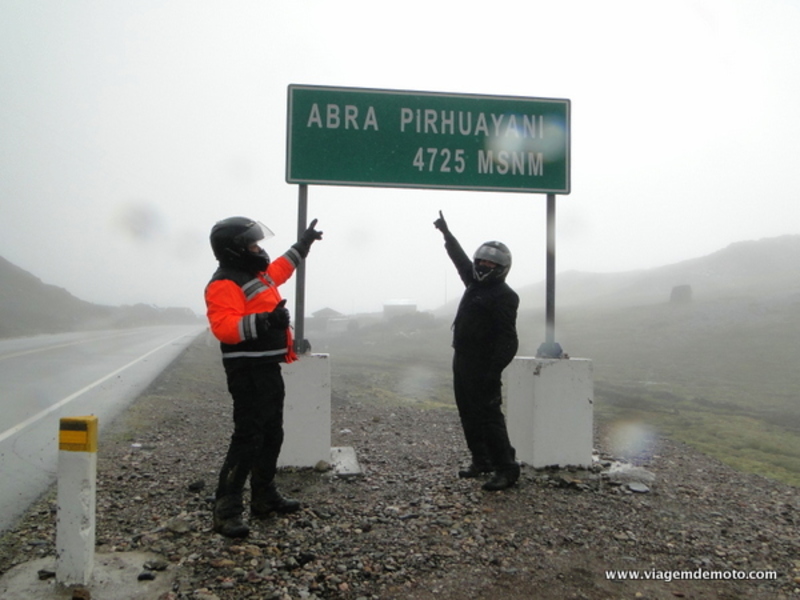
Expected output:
(484, 343)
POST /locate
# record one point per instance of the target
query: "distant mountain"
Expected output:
(29, 307)
(767, 267)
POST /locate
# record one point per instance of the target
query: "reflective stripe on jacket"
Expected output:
(234, 298)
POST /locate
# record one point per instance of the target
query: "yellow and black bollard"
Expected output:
(77, 486)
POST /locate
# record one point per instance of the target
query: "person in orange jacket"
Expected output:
(247, 315)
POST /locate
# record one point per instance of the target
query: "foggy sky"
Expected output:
(128, 128)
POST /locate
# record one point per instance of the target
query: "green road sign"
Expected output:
(389, 138)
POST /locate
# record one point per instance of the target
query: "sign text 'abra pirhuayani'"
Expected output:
(353, 136)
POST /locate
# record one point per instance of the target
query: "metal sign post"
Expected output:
(550, 348)
(300, 343)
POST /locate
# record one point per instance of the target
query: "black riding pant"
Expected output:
(258, 394)
(479, 401)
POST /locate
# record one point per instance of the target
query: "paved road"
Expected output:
(47, 377)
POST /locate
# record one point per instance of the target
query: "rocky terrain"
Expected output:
(408, 528)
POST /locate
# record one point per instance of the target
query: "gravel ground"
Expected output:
(409, 528)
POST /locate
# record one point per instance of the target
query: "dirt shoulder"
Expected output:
(409, 528)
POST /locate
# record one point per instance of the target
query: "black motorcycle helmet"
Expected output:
(231, 239)
(495, 252)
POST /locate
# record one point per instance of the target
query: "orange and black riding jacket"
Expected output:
(234, 298)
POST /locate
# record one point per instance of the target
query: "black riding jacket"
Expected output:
(485, 327)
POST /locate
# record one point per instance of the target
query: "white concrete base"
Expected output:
(307, 412)
(75, 521)
(550, 410)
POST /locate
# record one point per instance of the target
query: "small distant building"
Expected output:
(319, 320)
(681, 294)
(327, 313)
(398, 308)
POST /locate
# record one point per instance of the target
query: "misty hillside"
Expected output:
(762, 268)
(29, 307)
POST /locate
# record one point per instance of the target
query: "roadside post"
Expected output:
(76, 499)
(433, 140)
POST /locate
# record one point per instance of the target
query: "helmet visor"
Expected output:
(492, 254)
(256, 232)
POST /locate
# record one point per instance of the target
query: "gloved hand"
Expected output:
(279, 317)
(308, 237)
(441, 224)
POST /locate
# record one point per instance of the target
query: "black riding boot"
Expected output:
(475, 469)
(228, 517)
(503, 478)
(270, 500)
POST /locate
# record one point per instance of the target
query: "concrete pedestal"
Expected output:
(550, 410)
(307, 412)
(75, 524)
